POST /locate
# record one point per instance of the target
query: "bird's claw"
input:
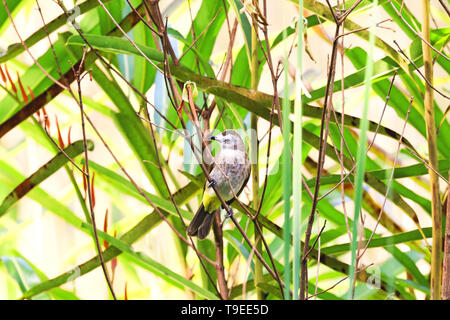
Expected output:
(229, 214)
(211, 183)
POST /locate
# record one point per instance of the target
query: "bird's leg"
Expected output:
(228, 214)
(211, 182)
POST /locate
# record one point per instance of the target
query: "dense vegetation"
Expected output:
(101, 107)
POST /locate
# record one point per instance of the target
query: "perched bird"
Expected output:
(230, 173)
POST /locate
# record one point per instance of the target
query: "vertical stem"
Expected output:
(297, 162)
(446, 267)
(220, 270)
(89, 193)
(361, 154)
(255, 145)
(326, 112)
(436, 213)
(286, 174)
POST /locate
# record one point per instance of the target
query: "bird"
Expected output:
(229, 174)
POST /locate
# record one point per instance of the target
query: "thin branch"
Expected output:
(317, 238)
(343, 178)
(334, 285)
(418, 34)
(126, 36)
(426, 163)
(169, 80)
(343, 16)
(333, 13)
(220, 270)
(344, 207)
(322, 149)
(391, 178)
(86, 156)
(52, 47)
(200, 35)
(28, 50)
(62, 150)
(143, 20)
(418, 70)
(109, 66)
(445, 7)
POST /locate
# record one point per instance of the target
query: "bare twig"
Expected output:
(159, 166)
(390, 179)
(420, 73)
(88, 182)
(345, 14)
(344, 207)
(143, 20)
(322, 146)
(109, 66)
(426, 163)
(174, 97)
(126, 36)
(334, 285)
(343, 178)
(315, 241)
(28, 50)
(62, 150)
(200, 35)
(220, 270)
(445, 7)
(427, 42)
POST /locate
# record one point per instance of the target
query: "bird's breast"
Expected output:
(231, 167)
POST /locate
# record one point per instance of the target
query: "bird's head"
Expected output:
(229, 139)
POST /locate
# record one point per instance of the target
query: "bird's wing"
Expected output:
(242, 187)
(240, 190)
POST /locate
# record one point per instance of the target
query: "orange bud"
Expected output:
(113, 265)
(13, 87)
(69, 141)
(22, 90)
(31, 93)
(60, 139)
(93, 190)
(84, 179)
(105, 229)
(39, 115)
(2, 75)
(114, 260)
(46, 119)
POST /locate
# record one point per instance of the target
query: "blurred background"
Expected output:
(35, 236)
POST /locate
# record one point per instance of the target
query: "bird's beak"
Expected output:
(211, 138)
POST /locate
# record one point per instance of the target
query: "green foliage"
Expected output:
(144, 176)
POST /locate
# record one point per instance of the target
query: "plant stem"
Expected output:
(436, 213)
(254, 152)
(361, 154)
(287, 176)
(220, 270)
(446, 266)
(297, 161)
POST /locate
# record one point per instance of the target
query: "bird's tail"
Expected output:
(200, 224)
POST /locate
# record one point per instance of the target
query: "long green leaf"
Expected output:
(17, 48)
(140, 229)
(43, 173)
(381, 242)
(253, 101)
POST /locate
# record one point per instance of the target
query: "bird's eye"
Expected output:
(226, 141)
